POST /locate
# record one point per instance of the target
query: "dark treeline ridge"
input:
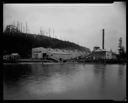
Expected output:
(22, 43)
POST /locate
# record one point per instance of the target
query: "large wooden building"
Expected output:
(58, 54)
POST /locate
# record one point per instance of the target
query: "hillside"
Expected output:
(16, 41)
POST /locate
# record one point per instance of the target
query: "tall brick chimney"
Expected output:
(102, 38)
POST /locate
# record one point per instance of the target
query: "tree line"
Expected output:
(16, 41)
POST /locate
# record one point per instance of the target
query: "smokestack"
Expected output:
(103, 39)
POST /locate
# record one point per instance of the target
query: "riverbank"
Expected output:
(30, 61)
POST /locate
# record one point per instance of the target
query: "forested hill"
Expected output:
(22, 43)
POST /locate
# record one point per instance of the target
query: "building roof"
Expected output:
(99, 50)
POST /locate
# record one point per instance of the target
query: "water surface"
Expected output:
(64, 81)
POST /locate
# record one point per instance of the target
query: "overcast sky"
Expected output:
(79, 23)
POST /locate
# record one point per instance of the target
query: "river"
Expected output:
(36, 81)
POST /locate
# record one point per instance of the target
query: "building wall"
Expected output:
(99, 55)
(108, 55)
(102, 55)
(114, 56)
(61, 56)
(37, 53)
(37, 56)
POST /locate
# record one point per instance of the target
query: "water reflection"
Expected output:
(14, 73)
(59, 79)
(64, 81)
(99, 70)
(121, 71)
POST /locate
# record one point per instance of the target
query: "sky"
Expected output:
(80, 23)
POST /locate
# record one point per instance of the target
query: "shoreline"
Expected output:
(62, 63)
(32, 61)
